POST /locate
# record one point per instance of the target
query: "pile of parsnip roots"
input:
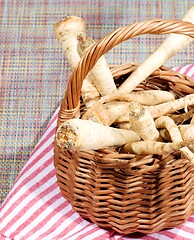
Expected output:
(145, 120)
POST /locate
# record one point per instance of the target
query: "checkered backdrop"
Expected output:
(34, 72)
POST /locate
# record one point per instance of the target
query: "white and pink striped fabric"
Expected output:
(35, 209)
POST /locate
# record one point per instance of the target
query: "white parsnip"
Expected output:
(86, 134)
(173, 44)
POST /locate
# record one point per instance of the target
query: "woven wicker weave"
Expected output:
(142, 194)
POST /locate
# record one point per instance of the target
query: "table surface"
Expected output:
(34, 72)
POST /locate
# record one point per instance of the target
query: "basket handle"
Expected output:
(70, 104)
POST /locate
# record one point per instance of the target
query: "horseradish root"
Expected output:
(86, 134)
(107, 113)
(188, 153)
(173, 130)
(164, 133)
(90, 94)
(187, 132)
(173, 44)
(176, 135)
(151, 97)
(152, 147)
(67, 32)
(172, 106)
(192, 120)
(114, 106)
(100, 73)
(182, 117)
(144, 97)
(142, 122)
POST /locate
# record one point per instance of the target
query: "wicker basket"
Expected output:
(144, 194)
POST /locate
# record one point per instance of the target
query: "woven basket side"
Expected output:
(128, 202)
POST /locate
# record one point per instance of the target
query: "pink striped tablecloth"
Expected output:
(35, 209)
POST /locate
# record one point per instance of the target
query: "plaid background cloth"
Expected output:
(34, 72)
